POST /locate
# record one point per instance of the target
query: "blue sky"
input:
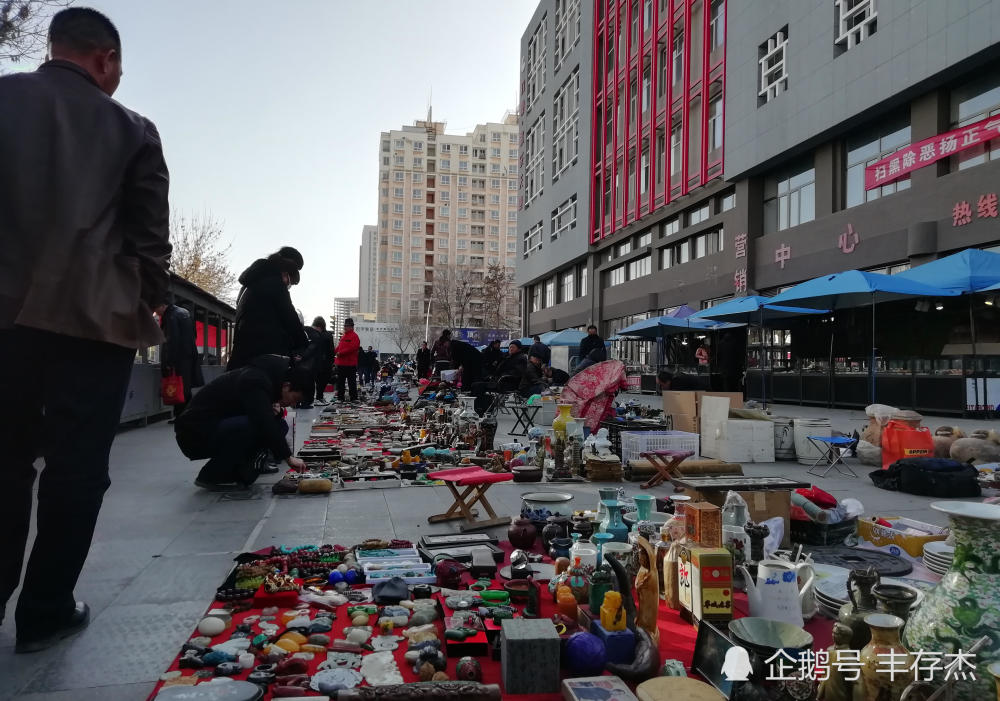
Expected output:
(270, 112)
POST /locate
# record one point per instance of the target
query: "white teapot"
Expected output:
(776, 594)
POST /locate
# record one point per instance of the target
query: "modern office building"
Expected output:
(447, 212)
(368, 270)
(555, 117)
(343, 307)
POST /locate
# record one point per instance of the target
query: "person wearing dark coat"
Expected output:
(318, 357)
(84, 259)
(534, 380)
(423, 361)
(592, 350)
(469, 359)
(492, 357)
(234, 421)
(266, 321)
(179, 352)
(541, 350)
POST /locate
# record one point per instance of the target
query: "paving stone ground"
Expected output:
(162, 546)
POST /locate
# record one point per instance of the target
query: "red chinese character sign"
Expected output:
(931, 150)
(740, 281)
(986, 208)
(848, 240)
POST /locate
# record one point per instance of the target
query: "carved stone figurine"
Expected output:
(442, 691)
(836, 687)
(647, 585)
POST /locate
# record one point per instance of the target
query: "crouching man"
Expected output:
(234, 421)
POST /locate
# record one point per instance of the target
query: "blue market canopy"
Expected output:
(752, 309)
(970, 270)
(855, 288)
(661, 326)
(566, 337)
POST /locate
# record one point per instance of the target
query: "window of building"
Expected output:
(398, 176)
(416, 274)
(445, 148)
(645, 239)
(717, 23)
(445, 164)
(534, 172)
(397, 225)
(773, 79)
(444, 211)
(706, 244)
(397, 208)
(417, 193)
(397, 256)
(639, 267)
(675, 149)
(400, 143)
(550, 292)
(790, 197)
(463, 212)
(512, 247)
(581, 290)
(676, 254)
(495, 214)
(564, 217)
(397, 272)
(644, 168)
(534, 68)
(856, 21)
(715, 123)
(443, 227)
(615, 276)
(727, 201)
(417, 209)
(463, 149)
(565, 125)
(463, 166)
(397, 240)
(495, 152)
(397, 192)
(445, 180)
(463, 180)
(416, 225)
(463, 228)
(536, 297)
(416, 256)
(973, 102)
(677, 55)
(868, 146)
(418, 162)
(566, 286)
(533, 238)
(698, 215)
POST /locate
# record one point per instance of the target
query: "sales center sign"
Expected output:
(923, 153)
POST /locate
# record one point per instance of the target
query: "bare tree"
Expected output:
(24, 26)
(498, 292)
(452, 294)
(200, 256)
(408, 334)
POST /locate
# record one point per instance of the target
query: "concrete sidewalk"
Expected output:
(162, 547)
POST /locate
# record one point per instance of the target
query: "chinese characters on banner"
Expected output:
(986, 208)
(740, 275)
(923, 153)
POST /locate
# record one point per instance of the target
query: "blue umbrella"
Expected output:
(970, 270)
(566, 337)
(660, 327)
(856, 288)
(750, 309)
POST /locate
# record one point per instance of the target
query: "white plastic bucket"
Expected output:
(784, 438)
(805, 451)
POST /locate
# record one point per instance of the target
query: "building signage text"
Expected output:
(986, 208)
(923, 153)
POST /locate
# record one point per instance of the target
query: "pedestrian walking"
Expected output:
(179, 352)
(423, 361)
(235, 420)
(84, 221)
(347, 361)
(367, 365)
(266, 321)
(318, 357)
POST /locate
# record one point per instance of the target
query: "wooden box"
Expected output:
(704, 524)
(711, 584)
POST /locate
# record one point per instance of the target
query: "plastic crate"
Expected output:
(634, 443)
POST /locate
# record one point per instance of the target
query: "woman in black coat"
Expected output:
(266, 321)
(179, 353)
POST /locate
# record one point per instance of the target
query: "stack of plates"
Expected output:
(831, 588)
(938, 556)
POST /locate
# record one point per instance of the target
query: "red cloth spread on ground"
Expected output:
(677, 638)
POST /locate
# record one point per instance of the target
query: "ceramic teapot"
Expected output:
(776, 594)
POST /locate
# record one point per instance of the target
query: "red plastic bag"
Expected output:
(900, 441)
(817, 496)
(172, 389)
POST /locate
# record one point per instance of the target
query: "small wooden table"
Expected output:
(476, 481)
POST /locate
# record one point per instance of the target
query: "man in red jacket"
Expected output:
(347, 361)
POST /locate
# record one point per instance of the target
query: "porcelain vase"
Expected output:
(562, 418)
(885, 645)
(614, 524)
(965, 605)
(604, 493)
(643, 508)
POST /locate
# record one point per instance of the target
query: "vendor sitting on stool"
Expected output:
(535, 378)
(234, 420)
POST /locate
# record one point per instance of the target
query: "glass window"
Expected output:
(566, 286)
(867, 147)
(645, 239)
(677, 62)
(582, 289)
(790, 197)
(698, 215)
(717, 23)
(639, 268)
(973, 102)
(671, 226)
(715, 124)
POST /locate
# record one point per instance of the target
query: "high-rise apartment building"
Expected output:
(555, 119)
(343, 307)
(368, 270)
(447, 210)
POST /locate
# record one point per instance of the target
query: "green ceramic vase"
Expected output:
(965, 605)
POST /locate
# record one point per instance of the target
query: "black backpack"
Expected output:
(930, 477)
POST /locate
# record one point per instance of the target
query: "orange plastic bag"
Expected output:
(900, 441)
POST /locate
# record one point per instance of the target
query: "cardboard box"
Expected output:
(896, 542)
(704, 524)
(712, 584)
(739, 440)
(684, 422)
(762, 505)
